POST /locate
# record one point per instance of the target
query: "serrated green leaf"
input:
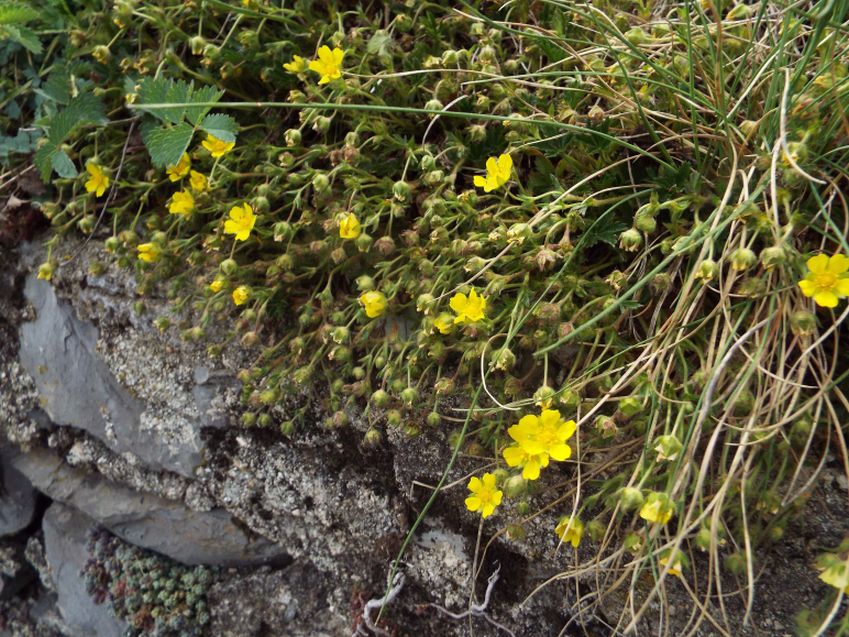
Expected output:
(22, 36)
(206, 94)
(83, 109)
(16, 12)
(167, 145)
(153, 91)
(43, 160)
(222, 126)
(179, 92)
(63, 165)
(58, 86)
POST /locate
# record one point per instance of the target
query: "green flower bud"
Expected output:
(630, 498)
(228, 267)
(409, 395)
(197, 44)
(372, 438)
(742, 259)
(803, 323)
(595, 529)
(645, 223)
(401, 191)
(543, 396)
(630, 406)
(631, 240)
(773, 256)
(434, 419)
(321, 183)
(364, 242)
(393, 418)
(515, 486)
(292, 137)
(637, 36)
(706, 270)
(503, 359)
(667, 447)
(380, 398)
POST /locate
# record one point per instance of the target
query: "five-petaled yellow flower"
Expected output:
(97, 182)
(241, 222)
(827, 280)
(149, 252)
(349, 226)
(216, 285)
(538, 439)
(469, 309)
(444, 323)
(180, 169)
(216, 147)
(570, 530)
(657, 508)
(373, 302)
(182, 203)
(241, 295)
(297, 65)
(485, 496)
(198, 181)
(328, 65)
(497, 173)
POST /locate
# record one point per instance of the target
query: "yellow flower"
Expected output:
(198, 181)
(531, 463)
(149, 252)
(216, 147)
(182, 203)
(241, 295)
(180, 169)
(836, 572)
(539, 439)
(297, 65)
(328, 65)
(570, 530)
(497, 173)
(98, 181)
(485, 495)
(216, 285)
(45, 271)
(241, 222)
(657, 507)
(444, 323)
(349, 226)
(827, 280)
(469, 309)
(374, 303)
(677, 565)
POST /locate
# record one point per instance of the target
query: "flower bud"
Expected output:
(409, 395)
(292, 137)
(773, 256)
(631, 240)
(630, 498)
(401, 191)
(803, 322)
(228, 267)
(706, 270)
(595, 529)
(365, 283)
(645, 223)
(372, 438)
(363, 242)
(630, 406)
(321, 183)
(742, 259)
(502, 359)
(434, 419)
(380, 398)
(197, 44)
(543, 396)
(515, 486)
(393, 418)
(667, 447)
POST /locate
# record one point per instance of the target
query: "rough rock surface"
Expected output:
(65, 531)
(17, 497)
(164, 526)
(77, 388)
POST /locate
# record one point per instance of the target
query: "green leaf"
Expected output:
(16, 12)
(83, 109)
(63, 165)
(22, 36)
(153, 91)
(179, 92)
(222, 126)
(206, 94)
(43, 160)
(167, 145)
(58, 86)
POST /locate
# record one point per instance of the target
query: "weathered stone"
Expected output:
(78, 389)
(17, 497)
(65, 531)
(165, 526)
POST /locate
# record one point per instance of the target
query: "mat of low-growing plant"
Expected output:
(604, 244)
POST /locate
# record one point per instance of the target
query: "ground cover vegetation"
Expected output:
(604, 243)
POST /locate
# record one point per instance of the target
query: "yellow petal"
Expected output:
(826, 298)
(808, 287)
(842, 286)
(818, 263)
(838, 264)
(473, 503)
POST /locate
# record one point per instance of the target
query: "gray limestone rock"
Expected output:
(17, 497)
(65, 531)
(78, 389)
(148, 521)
